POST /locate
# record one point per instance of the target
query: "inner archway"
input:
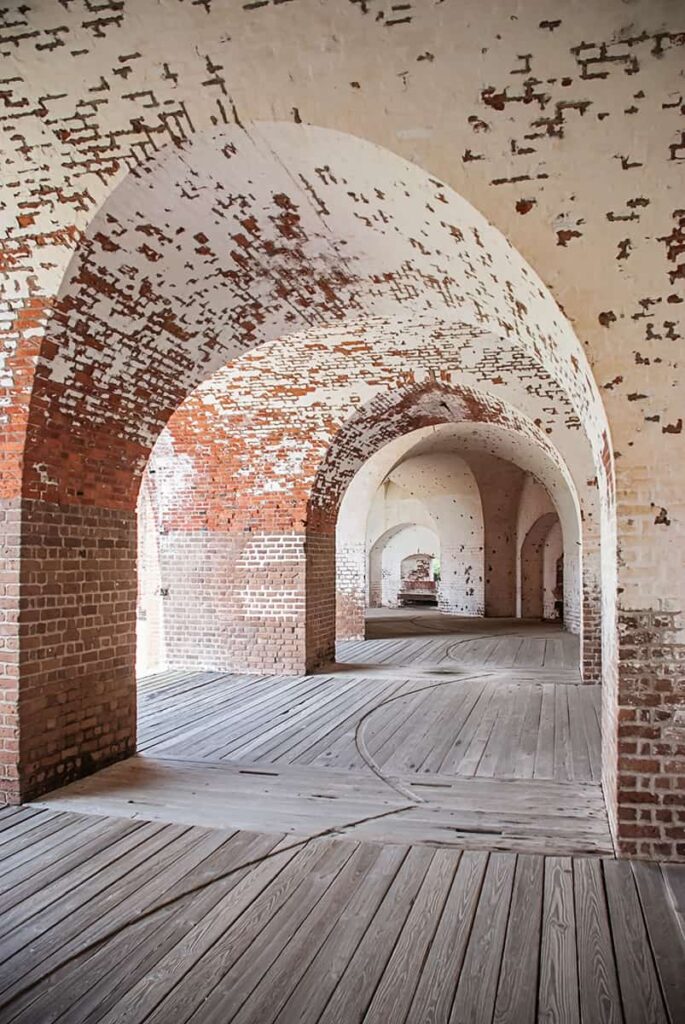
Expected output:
(419, 576)
(441, 492)
(507, 470)
(395, 560)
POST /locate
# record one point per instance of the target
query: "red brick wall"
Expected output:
(592, 633)
(230, 469)
(67, 618)
(651, 740)
(235, 601)
(22, 321)
(321, 604)
(77, 633)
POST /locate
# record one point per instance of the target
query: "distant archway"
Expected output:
(509, 437)
(532, 567)
(387, 556)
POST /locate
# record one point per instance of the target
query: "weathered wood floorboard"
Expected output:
(397, 845)
(187, 924)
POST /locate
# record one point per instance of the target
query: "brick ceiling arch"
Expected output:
(518, 442)
(397, 424)
(251, 234)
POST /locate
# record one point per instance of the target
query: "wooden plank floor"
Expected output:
(482, 754)
(535, 816)
(415, 835)
(398, 636)
(125, 922)
(477, 724)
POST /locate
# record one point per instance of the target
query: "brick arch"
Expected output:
(398, 412)
(269, 217)
(512, 438)
(199, 255)
(446, 487)
(374, 434)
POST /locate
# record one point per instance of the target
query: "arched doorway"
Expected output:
(507, 470)
(418, 578)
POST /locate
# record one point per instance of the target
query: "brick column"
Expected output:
(75, 609)
(591, 596)
(320, 594)
(591, 638)
(651, 735)
(351, 591)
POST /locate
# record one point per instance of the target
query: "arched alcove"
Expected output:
(444, 483)
(503, 460)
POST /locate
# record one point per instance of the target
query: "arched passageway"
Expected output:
(505, 468)
(239, 320)
(441, 492)
(212, 582)
(215, 572)
(497, 323)
(419, 577)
